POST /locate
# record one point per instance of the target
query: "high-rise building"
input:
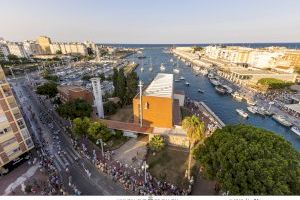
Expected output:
(4, 52)
(17, 49)
(15, 140)
(44, 42)
(32, 48)
(55, 48)
(97, 96)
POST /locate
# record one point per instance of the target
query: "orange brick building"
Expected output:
(159, 107)
(70, 93)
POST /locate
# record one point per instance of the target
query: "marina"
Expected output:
(224, 106)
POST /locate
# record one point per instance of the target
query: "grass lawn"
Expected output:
(124, 115)
(170, 165)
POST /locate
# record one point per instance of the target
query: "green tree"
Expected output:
(110, 108)
(12, 57)
(115, 81)
(246, 160)
(81, 125)
(131, 87)
(274, 83)
(102, 76)
(58, 52)
(195, 132)
(157, 143)
(75, 109)
(98, 130)
(49, 89)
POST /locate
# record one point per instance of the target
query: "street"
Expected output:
(76, 172)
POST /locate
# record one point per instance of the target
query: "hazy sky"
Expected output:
(152, 21)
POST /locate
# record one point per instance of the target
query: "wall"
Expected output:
(158, 114)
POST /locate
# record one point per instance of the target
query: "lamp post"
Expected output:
(145, 167)
(141, 106)
(102, 144)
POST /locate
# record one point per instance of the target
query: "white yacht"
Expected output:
(162, 67)
(252, 109)
(142, 69)
(237, 96)
(181, 78)
(229, 90)
(282, 120)
(296, 130)
(171, 60)
(176, 71)
(215, 82)
(187, 83)
(242, 113)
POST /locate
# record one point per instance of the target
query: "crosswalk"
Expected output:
(62, 160)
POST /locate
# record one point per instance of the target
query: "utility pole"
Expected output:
(141, 106)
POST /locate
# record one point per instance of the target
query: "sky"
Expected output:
(152, 21)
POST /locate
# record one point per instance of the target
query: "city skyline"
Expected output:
(152, 22)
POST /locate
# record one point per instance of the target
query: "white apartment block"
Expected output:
(32, 48)
(54, 48)
(4, 52)
(69, 48)
(17, 49)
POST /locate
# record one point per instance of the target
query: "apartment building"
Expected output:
(70, 93)
(4, 52)
(69, 48)
(32, 48)
(55, 47)
(44, 43)
(17, 49)
(15, 140)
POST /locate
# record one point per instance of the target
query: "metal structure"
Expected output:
(98, 96)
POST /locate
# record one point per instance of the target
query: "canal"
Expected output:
(223, 105)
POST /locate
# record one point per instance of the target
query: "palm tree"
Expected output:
(195, 132)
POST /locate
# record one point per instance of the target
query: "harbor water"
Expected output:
(223, 106)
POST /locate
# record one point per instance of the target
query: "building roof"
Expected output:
(161, 86)
(68, 88)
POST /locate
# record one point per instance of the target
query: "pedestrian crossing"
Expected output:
(62, 160)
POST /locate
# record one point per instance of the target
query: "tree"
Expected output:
(195, 132)
(49, 89)
(274, 83)
(246, 160)
(81, 125)
(58, 52)
(115, 81)
(102, 76)
(75, 109)
(98, 130)
(12, 57)
(110, 108)
(157, 143)
(131, 86)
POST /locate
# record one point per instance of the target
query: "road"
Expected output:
(45, 124)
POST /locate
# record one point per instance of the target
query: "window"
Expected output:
(8, 142)
(21, 124)
(3, 118)
(5, 130)
(146, 106)
(25, 133)
(29, 143)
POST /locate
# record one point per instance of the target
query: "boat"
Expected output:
(282, 120)
(214, 81)
(171, 60)
(261, 111)
(181, 78)
(229, 90)
(296, 130)
(242, 113)
(268, 113)
(220, 89)
(252, 109)
(141, 57)
(204, 72)
(237, 96)
(200, 91)
(142, 69)
(177, 80)
(251, 102)
(210, 75)
(176, 71)
(150, 69)
(162, 67)
(187, 83)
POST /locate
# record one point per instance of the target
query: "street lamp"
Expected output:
(102, 144)
(145, 167)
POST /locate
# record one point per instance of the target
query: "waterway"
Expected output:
(223, 105)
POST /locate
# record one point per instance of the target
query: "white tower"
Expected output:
(97, 96)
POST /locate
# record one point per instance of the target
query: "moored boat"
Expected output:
(187, 83)
(242, 113)
(162, 67)
(200, 91)
(237, 96)
(228, 89)
(296, 130)
(214, 81)
(252, 109)
(282, 120)
(181, 78)
(176, 71)
(220, 89)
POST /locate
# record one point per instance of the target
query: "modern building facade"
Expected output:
(69, 48)
(44, 43)
(15, 139)
(97, 92)
(32, 48)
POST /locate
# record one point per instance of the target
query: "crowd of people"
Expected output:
(133, 180)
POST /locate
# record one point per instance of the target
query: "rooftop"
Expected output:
(67, 88)
(161, 86)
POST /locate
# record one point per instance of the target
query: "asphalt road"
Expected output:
(59, 144)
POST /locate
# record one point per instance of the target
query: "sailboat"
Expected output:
(176, 70)
(162, 67)
(150, 68)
